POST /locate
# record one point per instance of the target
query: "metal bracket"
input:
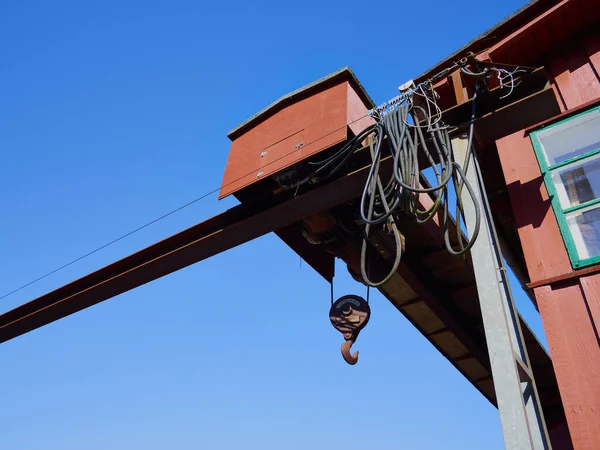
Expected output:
(525, 374)
(409, 85)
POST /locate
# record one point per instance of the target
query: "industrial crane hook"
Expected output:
(349, 315)
(348, 357)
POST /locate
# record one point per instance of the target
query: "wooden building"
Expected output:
(539, 151)
(546, 200)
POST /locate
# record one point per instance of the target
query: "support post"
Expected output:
(521, 415)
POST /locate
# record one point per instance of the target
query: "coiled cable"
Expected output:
(410, 134)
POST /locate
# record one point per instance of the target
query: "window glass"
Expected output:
(585, 229)
(578, 182)
(571, 138)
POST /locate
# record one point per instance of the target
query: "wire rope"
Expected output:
(173, 211)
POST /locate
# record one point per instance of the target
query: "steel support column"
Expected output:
(521, 415)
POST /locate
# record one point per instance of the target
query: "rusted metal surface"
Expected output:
(349, 314)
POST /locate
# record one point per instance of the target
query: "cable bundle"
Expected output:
(397, 195)
(408, 131)
(383, 199)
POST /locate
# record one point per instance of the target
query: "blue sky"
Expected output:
(113, 113)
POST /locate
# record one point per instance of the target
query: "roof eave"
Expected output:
(298, 94)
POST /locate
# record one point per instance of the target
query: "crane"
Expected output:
(317, 218)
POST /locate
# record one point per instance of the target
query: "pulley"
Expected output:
(349, 314)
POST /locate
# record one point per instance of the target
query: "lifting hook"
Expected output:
(348, 357)
(349, 315)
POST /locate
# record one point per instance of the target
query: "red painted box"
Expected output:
(296, 126)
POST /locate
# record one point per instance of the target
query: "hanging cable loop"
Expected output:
(410, 129)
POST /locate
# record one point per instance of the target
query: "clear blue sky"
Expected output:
(115, 112)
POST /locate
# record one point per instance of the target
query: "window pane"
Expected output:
(571, 138)
(578, 182)
(585, 229)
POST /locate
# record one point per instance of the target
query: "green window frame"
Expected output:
(568, 153)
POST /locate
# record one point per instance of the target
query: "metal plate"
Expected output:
(350, 314)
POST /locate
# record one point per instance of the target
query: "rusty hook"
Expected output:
(349, 315)
(348, 357)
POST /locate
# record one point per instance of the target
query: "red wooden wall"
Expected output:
(575, 72)
(570, 309)
(292, 132)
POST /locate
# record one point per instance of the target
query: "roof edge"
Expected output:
(298, 94)
(488, 38)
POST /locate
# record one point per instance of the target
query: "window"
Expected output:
(569, 156)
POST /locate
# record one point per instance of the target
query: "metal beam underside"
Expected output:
(236, 226)
(244, 223)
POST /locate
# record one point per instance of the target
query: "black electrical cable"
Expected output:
(405, 168)
(458, 186)
(466, 71)
(408, 142)
(374, 184)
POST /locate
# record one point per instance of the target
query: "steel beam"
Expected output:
(521, 414)
(216, 235)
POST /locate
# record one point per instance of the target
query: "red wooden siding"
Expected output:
(575, 73)
(591, 290)
(566, 40)
(575, 351)
(591, 46)
(318, 121)
(356, 115)
(535, 219)
(536, 42)
(292, 133)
